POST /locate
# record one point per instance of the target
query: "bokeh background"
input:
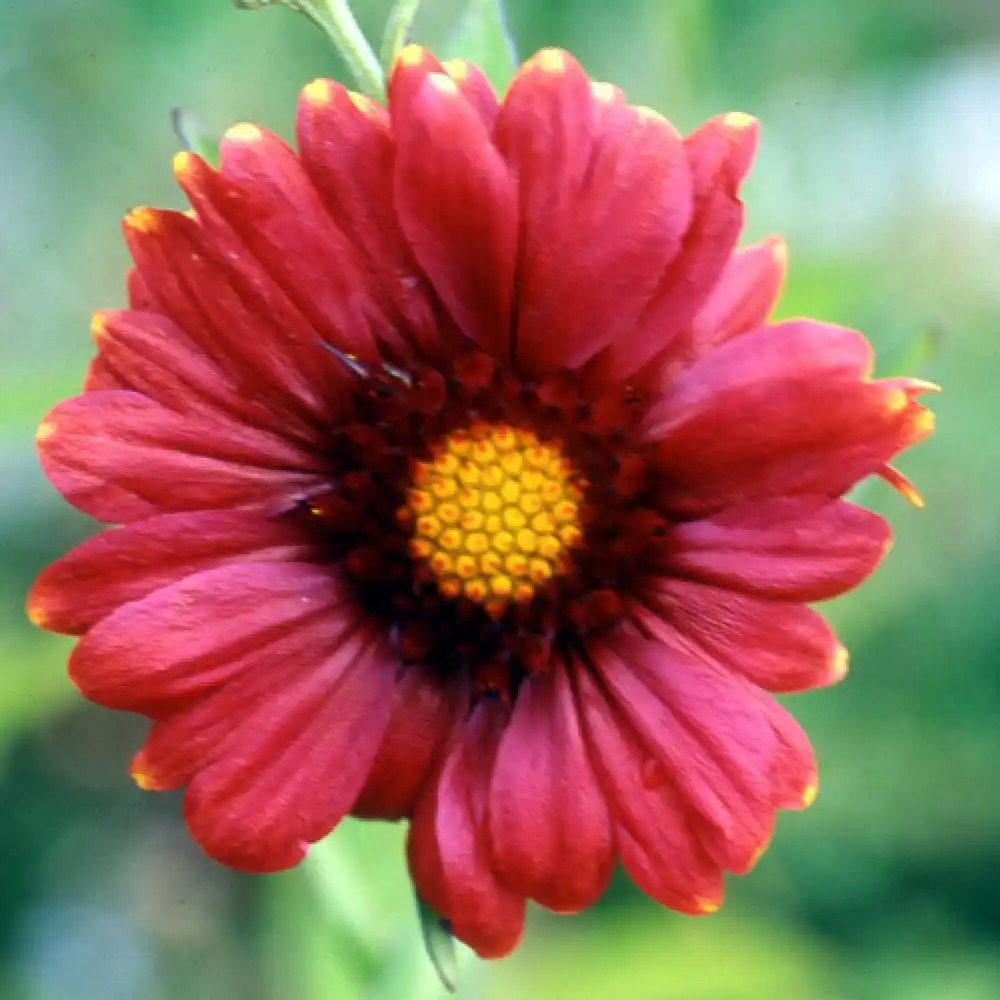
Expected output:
(881, 164)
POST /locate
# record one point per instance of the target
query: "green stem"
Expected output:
(397, 28)
(335, 20)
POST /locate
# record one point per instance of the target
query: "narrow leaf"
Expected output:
(193, 137)
(397, 31)
(440, 945)
(483, 38)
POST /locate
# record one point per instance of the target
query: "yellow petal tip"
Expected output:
(896, 400)
(183, 163)
(738, 120)
(142, 220)
(46, 429)
(319, 92)
(809, 794)
(363, 104)
(243, 132)
(840, 663)
(457, 69)
(99, 326)
(551, 61)
(707, 906)
(411, 55)
(924, 422)
(141, 776)
(36, 615)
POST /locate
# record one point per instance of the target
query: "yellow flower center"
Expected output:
(494, 514)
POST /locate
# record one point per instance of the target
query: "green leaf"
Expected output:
(483, 38)
(440, 945)
(397, 31)
(193, 137)
(336, 20)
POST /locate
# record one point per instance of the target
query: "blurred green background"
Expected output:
(881, 164)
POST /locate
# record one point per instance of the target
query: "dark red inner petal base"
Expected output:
(401, 416)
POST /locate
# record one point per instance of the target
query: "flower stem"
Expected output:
(397, 27)
(335, 20)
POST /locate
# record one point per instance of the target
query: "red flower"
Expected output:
(462, 478)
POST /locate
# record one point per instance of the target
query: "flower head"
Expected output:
(461, 477)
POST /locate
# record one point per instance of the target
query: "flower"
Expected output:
(461, 478)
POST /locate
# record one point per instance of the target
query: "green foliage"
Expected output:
(483, 38)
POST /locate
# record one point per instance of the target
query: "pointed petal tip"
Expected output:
(738, 121)
(918, 385)
(902, 485)
(140, 774)
(35, 612)
(142, 219)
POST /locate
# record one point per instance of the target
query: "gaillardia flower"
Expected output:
(460, 477)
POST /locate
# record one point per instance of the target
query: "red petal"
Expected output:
(187, 733)
(456, 203)
(745, 294)
(412, 66)
(475, 88)
(800, 350)
(150, 354)
(449, 847)
(139, 296)
(422, 714)
(100, 376)
(780, 647)
(119, 456)
(789, 548)
(704, 727)
(261, 197)
(168, 649)
(657, 831)
(549, 823)
(781, 436)
(289, 772)
(794, 775)
(347, 151)
(231, 308)
(125, 564)
(605, 198)
(719, 156)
